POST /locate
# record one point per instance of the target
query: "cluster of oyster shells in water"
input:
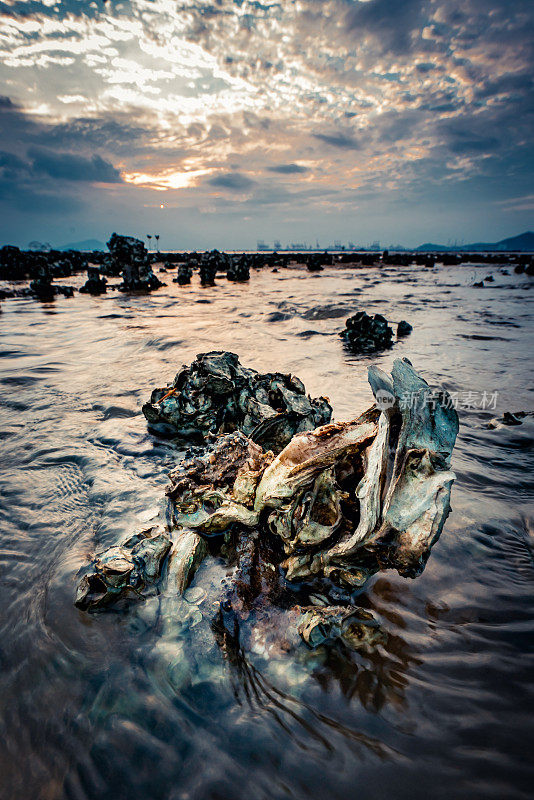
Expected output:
(313, 515)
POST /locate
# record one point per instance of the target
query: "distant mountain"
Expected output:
(428, 247)
(523, 242)
(87, 244)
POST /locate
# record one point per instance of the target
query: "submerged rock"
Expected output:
(365, 334)
(217, 394)
(509, 419)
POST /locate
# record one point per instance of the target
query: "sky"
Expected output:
(215, 124)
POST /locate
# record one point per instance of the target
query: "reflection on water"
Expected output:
(144, 702)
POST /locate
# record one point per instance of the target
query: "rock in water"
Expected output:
(42, 285)
(404, 328)
(314, 263)
(217, 394)
(365, 334)
(184, 275)
(130, 258)
(94, 283)
(210, 264)
(239, 269)
(509, 419)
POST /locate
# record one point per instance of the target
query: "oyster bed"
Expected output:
(407, 687)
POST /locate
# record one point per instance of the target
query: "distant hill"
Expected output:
(87, 244)
(432, 248)
(523, 242)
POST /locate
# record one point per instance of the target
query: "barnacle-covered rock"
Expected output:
(365, 334)
(217, 394)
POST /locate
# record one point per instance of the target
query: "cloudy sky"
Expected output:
(218, 123)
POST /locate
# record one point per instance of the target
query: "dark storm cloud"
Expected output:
(338, 140)
(11, 166)
(235, 181)
(374, 98)
(22, 130)
(39, 181)
(287, 169)
(116, 135)
(70, 167)
(391, 22)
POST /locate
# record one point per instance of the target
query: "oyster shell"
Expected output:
(124, 570)
(187, 554)
(354, 626)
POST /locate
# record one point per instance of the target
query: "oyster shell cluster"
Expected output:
(304, 528)
(217, 394)
(345, 499)
(95, 283)
(129, 257)
(238, 269)
(365, 334)
(183, 275)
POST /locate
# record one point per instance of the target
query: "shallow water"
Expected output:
(141, 703)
